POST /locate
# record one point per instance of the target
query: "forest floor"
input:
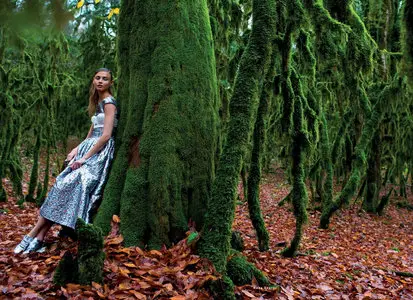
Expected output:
(358, 257)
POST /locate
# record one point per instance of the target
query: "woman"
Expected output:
(78, 188)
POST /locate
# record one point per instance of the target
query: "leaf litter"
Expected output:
(356, 258)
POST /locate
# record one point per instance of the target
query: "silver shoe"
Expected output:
(35, 245)
(25, 242)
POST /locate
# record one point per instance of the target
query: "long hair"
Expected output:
(93, 93)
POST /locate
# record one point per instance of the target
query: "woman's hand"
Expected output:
(77, 164)
(72, 154)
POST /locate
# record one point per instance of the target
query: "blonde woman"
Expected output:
(78, 188)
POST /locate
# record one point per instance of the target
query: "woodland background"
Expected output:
(316, 95)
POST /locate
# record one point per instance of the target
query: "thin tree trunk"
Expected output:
(215, 239)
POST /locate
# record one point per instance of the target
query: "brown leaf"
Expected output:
(248, 294)
(179, 297)
(137, 294)
(115, 241)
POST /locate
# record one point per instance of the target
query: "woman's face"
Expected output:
(102, 81)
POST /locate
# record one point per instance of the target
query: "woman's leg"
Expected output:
(43, 231)
(39, 231)
(41, 223)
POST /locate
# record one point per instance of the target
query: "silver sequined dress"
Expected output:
(77, 192)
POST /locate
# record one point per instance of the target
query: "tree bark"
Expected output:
(164, 166)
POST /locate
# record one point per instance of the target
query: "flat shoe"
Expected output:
(25, 242)
(34, 246)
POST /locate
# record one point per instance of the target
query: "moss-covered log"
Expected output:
(215, 240)
(162, 173)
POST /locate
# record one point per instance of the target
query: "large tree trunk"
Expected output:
(164, 166)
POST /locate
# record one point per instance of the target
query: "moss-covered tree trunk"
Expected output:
(373, 180)
(215, 239)
(35, 168)
(407, 40)
(164, 166)
(259, 139)
(299, 144)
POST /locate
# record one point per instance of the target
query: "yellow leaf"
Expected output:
(97, 1)
(110, 14)
(80, 3)
(130, 265)
(116, 11)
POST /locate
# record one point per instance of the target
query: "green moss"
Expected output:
(299, 145)
(242, 272)
(359, 160)
(237, 242)
(373, 173)
(259, 140)
(67, 270)
(384, 202)
(326, 162)
(215, 240)
(87, 266)
(90, 253)
(222, 288)
(3, 194)
(162, 173)
(407, 39)
(35, 169)
(113, 190)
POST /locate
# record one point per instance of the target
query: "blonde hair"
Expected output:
(93, 93)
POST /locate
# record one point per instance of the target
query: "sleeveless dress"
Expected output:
(77, 193)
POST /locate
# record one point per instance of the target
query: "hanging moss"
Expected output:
(358, 164)
(215, 240)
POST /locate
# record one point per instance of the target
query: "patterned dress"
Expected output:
(76, 193)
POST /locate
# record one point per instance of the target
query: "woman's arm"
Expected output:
(73, 153)
(110, 110)
(89, 134)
